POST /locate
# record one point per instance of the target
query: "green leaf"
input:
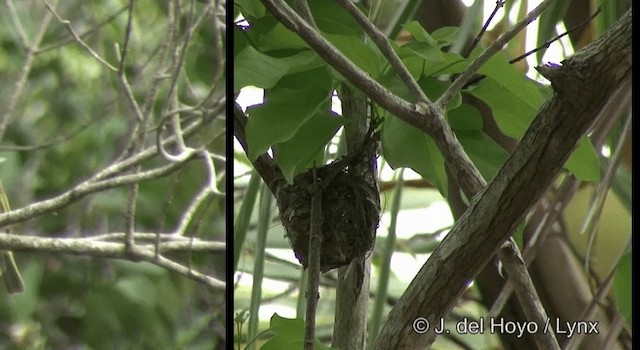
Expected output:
(434, 88)
(282, 325)
(361, 54)
(446, 35)
(419, 33)
(431, 54)
(268, 34)
(139, 289)
(452, 63)
(418, 65)
(406, 146)
(252, 67)
(302, 78)
(289, 334)
(295, 154)
(465, 118)
(622, 287)
(512, 114)
(250, 8)
(278, 120)
(584, 162)
(547, 24)
(485, 153)
(512, 80)
(331, 18)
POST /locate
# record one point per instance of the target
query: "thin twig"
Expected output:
(13, 14)
(78, 39)
(476, 41)
(83, 34)
(25, 70)
(502, 40)
(187, 215)
(590, 311)
(590, 224)
(122, 57)
(382, 42)
(548, 43)
(523, 285)
(315, 247)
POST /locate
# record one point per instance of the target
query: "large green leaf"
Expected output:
(512, 114)
(255, 68)
(278, 120)
(406, 146)
(485, 153)
(250, 8)
(361, 54)
(252, 67)
(465, 118)
(331, 18)
(512, 80)
(584, 162)
(289, 334)
(267, 34)
(295, 154)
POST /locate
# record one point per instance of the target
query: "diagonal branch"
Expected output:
(582, 86)
(496, 46)
(383, 43)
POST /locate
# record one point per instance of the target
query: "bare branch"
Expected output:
(94, 248)
(18, 88)
(78, 39)
(517, 272)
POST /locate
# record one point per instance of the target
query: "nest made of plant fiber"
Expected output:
(350, 214)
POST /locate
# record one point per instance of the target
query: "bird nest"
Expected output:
(350, 212)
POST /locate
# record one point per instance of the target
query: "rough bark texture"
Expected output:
(581, 85)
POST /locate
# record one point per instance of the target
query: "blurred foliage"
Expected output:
(70, 121)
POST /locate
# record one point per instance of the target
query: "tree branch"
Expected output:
(582, 85)
(145, 252)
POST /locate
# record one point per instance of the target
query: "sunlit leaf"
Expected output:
(278, 120)
(296, 153)
(584, 162)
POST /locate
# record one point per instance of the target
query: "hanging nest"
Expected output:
(350, 210)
